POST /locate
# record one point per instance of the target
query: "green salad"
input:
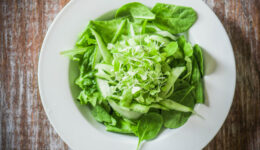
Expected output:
(138, 72)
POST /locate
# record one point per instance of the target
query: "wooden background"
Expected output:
(23, 123)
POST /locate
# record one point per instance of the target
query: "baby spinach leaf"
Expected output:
(199, 92)
(175, 119)
(172, 18)
(181, 41)
(149, 126)
(199, 57)
(189, 68)
(172, 49)
(196, 80)
(101, 115)
(136, 10)
(188, 50)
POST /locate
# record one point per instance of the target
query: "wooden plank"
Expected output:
(241, 19)
(23, 122)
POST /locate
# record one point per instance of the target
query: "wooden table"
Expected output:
(23, 123)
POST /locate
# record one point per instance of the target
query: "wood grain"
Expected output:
(23, 123)
(23, 25)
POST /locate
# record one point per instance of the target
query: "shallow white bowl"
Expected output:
(74, 123)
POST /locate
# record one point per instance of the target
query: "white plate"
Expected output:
(73, 122)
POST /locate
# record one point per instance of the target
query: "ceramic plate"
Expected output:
(76, 126)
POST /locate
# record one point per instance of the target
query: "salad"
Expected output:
(138, 71)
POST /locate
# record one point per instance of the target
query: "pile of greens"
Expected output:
(138, 72)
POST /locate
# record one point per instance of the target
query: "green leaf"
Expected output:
(124, 111)
(196, 80)
(133, 28)
(172, 49)
(122, 126)
(119, 31)
(189, 68)
(175, 106)
(144, 27)
(153, 29)
(199, 92)
(127, 97)
(199, 57)
(188, 50)
(102, 47)
(173, 118)
(86, 38)
(160, 39)
(158, 106)
(85, 97)
(172, 18)
(73, 52)
(109, 30)
(139, 108)
(181, 41)
(149, 127)
(105, 71)
(104, 88)
(174, 75)
(136, 10)
(101, 115)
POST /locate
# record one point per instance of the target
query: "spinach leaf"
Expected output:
(189, 68)
(175, 119)
(101, 115)
(149, 126)
(136, 10)
(199, 57)
(196, 80)
(187, 49)
(172, 18)
(172, 49)
(181, 41)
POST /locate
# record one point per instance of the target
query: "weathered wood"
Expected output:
(23, 123)
(23, 25)
(241, 19)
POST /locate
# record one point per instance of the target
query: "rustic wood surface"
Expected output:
(23, 123)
